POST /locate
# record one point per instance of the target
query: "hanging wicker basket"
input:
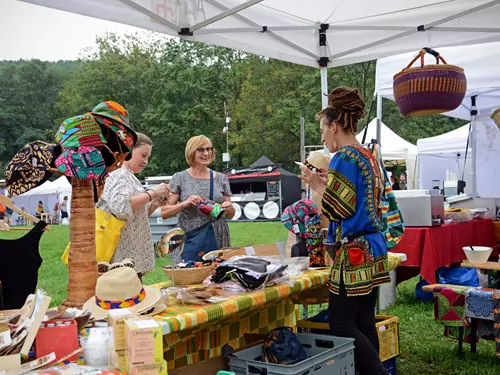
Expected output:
(429, 89)
(496, 116)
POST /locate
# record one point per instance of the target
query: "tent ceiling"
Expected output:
(356, 30)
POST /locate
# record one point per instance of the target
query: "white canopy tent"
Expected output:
(447, 152)
(320, 33)
(480, 63)
(50, 192)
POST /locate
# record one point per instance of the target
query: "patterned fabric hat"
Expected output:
(118, 289)
(314, 238)
(112, 110)
(81, 130)
(30, 167)
(211, 209)
(294, 217)
(126, 136)
(83, 163)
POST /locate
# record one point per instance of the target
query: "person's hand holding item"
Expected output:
(226, 205)
(161, 189)
(193, 200)
(317, 181)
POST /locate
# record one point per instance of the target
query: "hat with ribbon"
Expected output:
(211, 209)
(31, 167)
(84, 163)
(118, 289)
(294, 217)
(317, 160)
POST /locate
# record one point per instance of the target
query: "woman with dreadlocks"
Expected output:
(352, 203)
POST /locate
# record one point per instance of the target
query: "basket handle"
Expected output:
(421, 55)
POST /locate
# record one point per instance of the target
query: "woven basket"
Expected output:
(429, 89)
(185, 276)
(496, 116)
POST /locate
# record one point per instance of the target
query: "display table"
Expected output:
(465, 307)
(193, 333)
(434, 247)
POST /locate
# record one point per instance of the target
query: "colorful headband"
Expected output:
(113, 305)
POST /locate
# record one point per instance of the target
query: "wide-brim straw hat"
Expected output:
(316, 160)
(118, 289)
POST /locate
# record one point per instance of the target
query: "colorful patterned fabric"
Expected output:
(83, 163)
(352, 203)
(30, 167)
(126, 136)
(112, 110)
(314, 238)
(392, 220)
(81, 130)
(496, 321)
(449, 305)
(112, 305)
(294, 217)
(211, 209)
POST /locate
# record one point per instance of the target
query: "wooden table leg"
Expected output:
(473, 326)
(460, 341)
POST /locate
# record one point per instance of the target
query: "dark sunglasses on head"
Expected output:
(207, 149)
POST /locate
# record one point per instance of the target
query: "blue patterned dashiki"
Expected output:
(351, 203)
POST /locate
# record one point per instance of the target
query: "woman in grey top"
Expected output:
(191, 185)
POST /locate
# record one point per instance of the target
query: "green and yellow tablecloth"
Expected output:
(196, 333)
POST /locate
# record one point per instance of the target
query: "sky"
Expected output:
(29, 31)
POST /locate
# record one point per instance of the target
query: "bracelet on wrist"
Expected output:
(149, 195)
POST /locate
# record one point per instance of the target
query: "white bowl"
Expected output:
(479, 255)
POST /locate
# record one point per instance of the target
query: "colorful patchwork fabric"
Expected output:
(294, 217)
(496, 321)
(449, 305)
(314, 242)
(211, 209)
(112, 110)
(83, 163)
(112, 305)
(479, 304)
(30, 167)
(352, 203)
(124, 133)
(81, 130)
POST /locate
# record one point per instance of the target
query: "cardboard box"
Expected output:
(118, 359)
(116, 320)
(157, 368)
(144, 341)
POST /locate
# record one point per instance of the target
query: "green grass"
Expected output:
(424, 349)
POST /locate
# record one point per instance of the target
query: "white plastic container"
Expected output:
(95, 355)
(479, 255)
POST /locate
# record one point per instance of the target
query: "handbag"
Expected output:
(202, 240)
(107, 235)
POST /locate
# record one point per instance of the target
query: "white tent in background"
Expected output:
(395, 151)
(50, 192)
(447, 151)
(394, 148)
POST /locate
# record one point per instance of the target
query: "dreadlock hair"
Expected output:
(345, 107)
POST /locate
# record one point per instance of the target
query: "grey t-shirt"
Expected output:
(185, 185)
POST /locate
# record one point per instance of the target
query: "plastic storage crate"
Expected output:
(387, 329)
(326, 355)
(391, 366)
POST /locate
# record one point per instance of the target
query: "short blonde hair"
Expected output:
(194, 143)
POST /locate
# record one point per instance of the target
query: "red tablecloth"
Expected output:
(431, 248)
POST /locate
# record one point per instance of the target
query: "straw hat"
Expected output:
(118, 289)
(496, 116)
(316, 160)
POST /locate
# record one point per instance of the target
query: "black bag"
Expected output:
(202, 240)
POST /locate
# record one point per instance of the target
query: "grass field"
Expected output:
(424, 349)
